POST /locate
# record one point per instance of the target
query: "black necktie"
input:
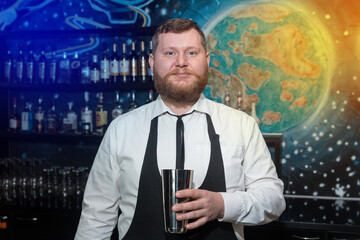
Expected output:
(180, 147)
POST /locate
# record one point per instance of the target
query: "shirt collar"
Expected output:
(160, 107)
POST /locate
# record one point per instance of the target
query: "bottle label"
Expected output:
(13, 123)
(29, 70)
(94, 76)
(41, 72)
(104, 69)
(26, 124)
(39, 116)
(51, 123)
(86, 117)
(52, 71)
(101, 118)
(7, 70)
(133, 67)
(116, 112)
(124, 67)
(19, 70)
(72, 117)
(143, 67)
(114, 68)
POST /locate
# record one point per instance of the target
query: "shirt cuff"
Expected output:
(233, 206)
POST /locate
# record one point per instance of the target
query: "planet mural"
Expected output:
(274, 56)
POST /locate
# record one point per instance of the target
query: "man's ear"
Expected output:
(151, 61)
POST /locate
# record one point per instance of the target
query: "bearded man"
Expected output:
(235, 181)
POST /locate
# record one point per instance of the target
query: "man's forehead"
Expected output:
(176, 39)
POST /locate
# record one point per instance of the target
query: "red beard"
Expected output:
(180, 95)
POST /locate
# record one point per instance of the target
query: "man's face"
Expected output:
(180, 65)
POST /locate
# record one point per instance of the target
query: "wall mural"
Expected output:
(298, 61)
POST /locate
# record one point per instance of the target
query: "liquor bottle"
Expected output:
(133, 104)
(39, 117)
(52, 118)
(133, 64)
(95, 70)
(64, 69)
(70, 120)
(239, 101)
(227, 98)
(124, 65)
(253, 113)
(86, 116)
(20, 67)
(143, 63)
(14, 120)
(118, 109)
(8, 67)
(41, 76)
(75, 67)
(30, 66)
(53, 69)
(150, 72)
(27, 118)
(101, 116)
(150, 96)
(85, 69)
(105, 65)
(114, 65)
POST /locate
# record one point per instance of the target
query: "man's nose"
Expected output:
(181, 60)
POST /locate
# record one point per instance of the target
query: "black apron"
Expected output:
(148, 220)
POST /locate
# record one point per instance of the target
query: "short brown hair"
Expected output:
(176, 25)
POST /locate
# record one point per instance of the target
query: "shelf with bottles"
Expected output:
(56, 70)
(82, 115)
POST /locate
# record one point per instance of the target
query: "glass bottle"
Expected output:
(133, 64)
(105, 65)
(124, 65)
(75, 67)
(20, 67)
(53, 69)
(64, 69)
(101, 116)
(70, 120)
(14, 120)
(52, 118)
(95, 70)
(227, 98)
(239, 101)
(114, 65)
(133, 104)
(39, 117)
(150, 72)
(118, 109)
(85, 69)
(8, 67)
(150, 96)
(27, 118)
(143, 63)
(41, 76)
(30, 62)
(86, 116)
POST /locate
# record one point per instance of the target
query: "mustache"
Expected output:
(176, 71)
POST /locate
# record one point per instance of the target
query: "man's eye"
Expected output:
(170, 53)
(191, 53)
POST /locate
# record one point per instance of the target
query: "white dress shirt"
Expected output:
(254, 193)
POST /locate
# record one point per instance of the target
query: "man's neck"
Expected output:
(178, 108)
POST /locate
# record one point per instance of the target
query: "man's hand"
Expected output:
(204, 206)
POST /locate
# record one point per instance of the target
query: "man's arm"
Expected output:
(100, 205)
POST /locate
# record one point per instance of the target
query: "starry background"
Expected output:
(320, 157)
